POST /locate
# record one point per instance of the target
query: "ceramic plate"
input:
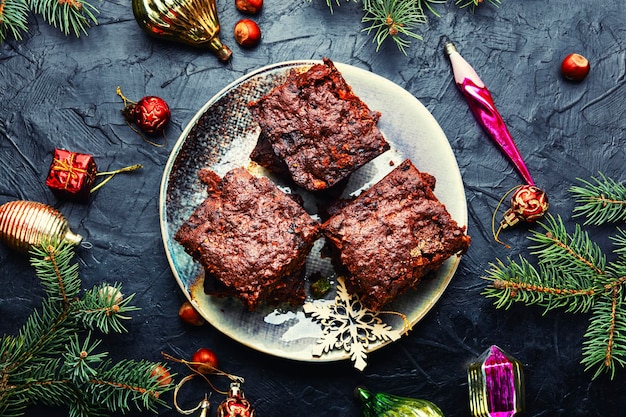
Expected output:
(222, 135)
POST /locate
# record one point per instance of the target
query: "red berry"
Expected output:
(205, 361)
(247, 33)
(249, 6)
(190, 315)
(162, 375)
(575, 67)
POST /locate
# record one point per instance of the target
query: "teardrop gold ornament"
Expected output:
(24, 224)
(193, 22)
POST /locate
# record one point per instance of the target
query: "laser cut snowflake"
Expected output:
(349, 326)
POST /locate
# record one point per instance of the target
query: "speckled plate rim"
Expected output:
(450, 180)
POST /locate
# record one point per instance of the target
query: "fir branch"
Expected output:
(575, 253)
(546, 287)
(475, 3)
(66, 15)
(48, 363)
(80, 360)
(126, 382)
(605, 339)
(49, 260)
(601, 200)
(101, 310)
(619, 241)
(13, 18)
(392, 18)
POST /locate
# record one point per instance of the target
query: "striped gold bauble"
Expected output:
(24, 224)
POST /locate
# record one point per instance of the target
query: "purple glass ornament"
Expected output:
(496, 385)
(482, 106)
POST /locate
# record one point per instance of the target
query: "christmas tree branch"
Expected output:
(605, 338)
(602, 200)
(575, 254)
(49, 363)
(573, 273)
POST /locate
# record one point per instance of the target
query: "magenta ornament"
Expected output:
(496, 385)
(482, 106)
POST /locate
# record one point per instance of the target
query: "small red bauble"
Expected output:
(190, 315)
(528, 203)
(162, 375)
(247, 33)
(575, 67)
(249, 6)
(150, 114)
(205, 361)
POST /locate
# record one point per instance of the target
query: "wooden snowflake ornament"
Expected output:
(347, 325)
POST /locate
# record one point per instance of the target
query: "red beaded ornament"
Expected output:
(528, 203)
(235, 405)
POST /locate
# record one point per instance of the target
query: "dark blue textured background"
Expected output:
(60, 92)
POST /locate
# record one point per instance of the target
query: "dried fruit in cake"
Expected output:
(318, 129)
(392, 235)
(251, 238)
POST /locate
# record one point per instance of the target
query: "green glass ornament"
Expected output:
(387, 405)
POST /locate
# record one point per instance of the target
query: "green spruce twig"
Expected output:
(69, 16)
(55, 359)
(13, 18)
(601, 200)
(392, 18)
(398, 20)
(573, 274)
(474, 3)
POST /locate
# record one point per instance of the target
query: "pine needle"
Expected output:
(13, 18)
(601, 200)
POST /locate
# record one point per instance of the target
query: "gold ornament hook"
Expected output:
(203, 405)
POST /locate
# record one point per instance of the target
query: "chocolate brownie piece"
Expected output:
(392, 235)
(318, 129)
(250, 236)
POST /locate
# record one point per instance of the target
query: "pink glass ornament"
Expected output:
(482, 106)
(496, 385)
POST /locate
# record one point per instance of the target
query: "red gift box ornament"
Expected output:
(72, 175)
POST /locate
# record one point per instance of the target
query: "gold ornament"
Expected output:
(24, 224)
(193, 22)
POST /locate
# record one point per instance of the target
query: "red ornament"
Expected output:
(190, 315)
(71, 175)
(162, 375)
(205, 361)
(575, 67)
(249, 6)
(247, 33)
(150, 114)
(236, 404)
(528, 203)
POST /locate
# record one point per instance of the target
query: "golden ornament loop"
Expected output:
(203, 405)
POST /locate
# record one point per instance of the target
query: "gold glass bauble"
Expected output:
(193, 22)
(24, 224)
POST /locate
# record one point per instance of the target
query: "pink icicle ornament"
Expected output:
(482, 106)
